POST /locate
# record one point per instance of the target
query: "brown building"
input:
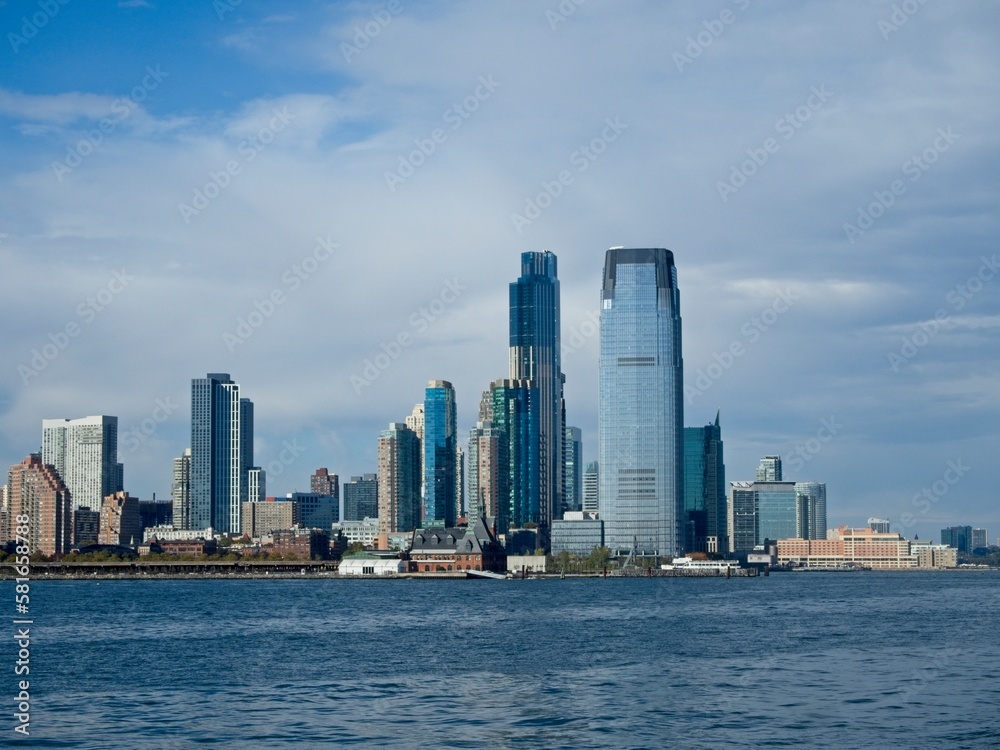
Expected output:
(194, 547)
(850, 547)
(308, 544)
(120, 521)
(325, 483)
(36, 491)
(263, 518)
(457, 549)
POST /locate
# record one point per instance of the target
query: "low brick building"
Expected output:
(307, 544)
(194, 547)
(458, 549)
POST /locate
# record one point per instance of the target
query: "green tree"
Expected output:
(563, 560)
(599, 558)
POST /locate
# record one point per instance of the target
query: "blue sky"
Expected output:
(825, 175)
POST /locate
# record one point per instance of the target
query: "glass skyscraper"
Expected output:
(705, 489)
(641, 408)
(440, 446)
(84, 453)
(515, 420)
(535, 356)
(221, 453)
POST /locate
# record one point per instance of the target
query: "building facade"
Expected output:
(489, 471)
(705, 501)
(260, 518)
(591, 487)
(39, 507)
(535, 357)
(180, 491)
(573, 469)
(641, 406)
(959, 537)
(316, 511)
(811, 509)
(578, 532)
(84, 452)
(221, 453)
(361, 498)
(439, 454)
(452, 550)
(516, 421)
(398, 479)
(769, 469)
(121, 524)
(256, 485)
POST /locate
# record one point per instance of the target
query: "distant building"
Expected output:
(86, 524)
(173, 534)
(263, 518)
(180, 491)
(363, 532)
(591, 487)
(398, 479)
(440, 446)
(769, 469)
(316, 511)
(361, 498)
(307, 544)
(440, 550)
(322, 482)
(367, 564)
(979, 539)
(84, 452)
(774, 510)
(934, 555)
(959, 537)
(810, 509)
(488, 471)
(577, 532)
(526, 563)
(155, 513)
(705, 489)
(193, 547)
(256, 485)
(881, 525)
(573, 469)
(856, 547)
(35, 490)
(121, 524)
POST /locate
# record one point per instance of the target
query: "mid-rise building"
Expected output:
(535, 357)
(39, 507)
(322, 482)
(881, 525)
(850, 547)
(934, 555)
(305, 544)
(959, 537)
(316, 511)
(86, 526)
(363, 532)
(769, 469)
(84, 452)
(979, 539)
(591, 487)
(811, 509)
(573, 469)
(121, 524)
(398, 479)
(705, 489)
(440, 446)
(361, 498)
(578, 532)
(221, 452)
(260, 518)
(154, 513)
(180, 490)
(641, 404)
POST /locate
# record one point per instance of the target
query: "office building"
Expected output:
(221, 453)
(316, 511)
(84, 452)
(591, 487)
(760, 511)
(415, 422)
(811, 509)
(578, 532)
(121, 524)
(769, 469)
(959, 537)
(535, 357)
(641, 407)
(35, 490)
(573, 469)
(86, 524)
(440, 446)
(398, 479)
(155, 513)
(516, 420)
(979, 539)
(361, 498)
(459, 480)
(705, 489)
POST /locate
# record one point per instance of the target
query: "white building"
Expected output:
(84, 452)
(371, 565)
(365, 531)
(171, 534)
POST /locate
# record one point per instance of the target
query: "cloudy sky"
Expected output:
(282, 190)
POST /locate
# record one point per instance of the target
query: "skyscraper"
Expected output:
(535, 356)
(35, 490)
(257, 484)
(573, 469)
(812, 509)
(322, 482)
(180, 491)
(84, 452)
(221, 453)
(705, 489)
(591, 488)
(489, 471)
(440, 454)
(769, 469)
(641, 408)
(515, 417)
(398, 479)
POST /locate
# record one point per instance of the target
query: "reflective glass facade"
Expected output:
(516, 419)
(439, 450)
(705, 489)
(641, 417)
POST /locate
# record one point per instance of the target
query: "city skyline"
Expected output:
(834, 232)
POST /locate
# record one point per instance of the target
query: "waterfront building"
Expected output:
(439, 454)
(361, 498)
(765, 510)
(705, 501)
(959, 537)
(121, 524)
(535, 357)
(769, 469)
(84, 452)
(578, 532)
(173, 534)
(442, 550)
(180, 490)
(221, 453)
(368, 564)
(192, 547)
(591, 487)
(305, 543)
(573, 469)
(398, 479)
(864, 548)
(35, 490)
(979, 539)
(260, 518)
(641, 407)
(810, 498)
(931, 555)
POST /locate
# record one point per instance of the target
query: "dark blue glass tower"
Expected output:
(705, 489)
(440, 454)
(534, 356)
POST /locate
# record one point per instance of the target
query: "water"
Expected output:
(867, 660)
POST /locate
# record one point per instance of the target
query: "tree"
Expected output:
(599, 558)
(563, 560)
(354, 548)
